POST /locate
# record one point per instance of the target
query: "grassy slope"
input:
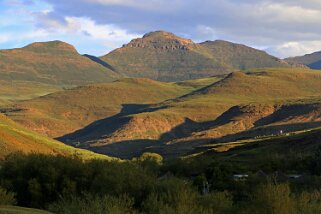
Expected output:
(51, 63)
(15, 138)
(20, 210)
(257, 151)
(199, 116)
(166, 57)
(63, 112)
(240, 56)
(24, 90)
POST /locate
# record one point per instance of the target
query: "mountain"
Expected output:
(15, 138)
(258, 102)
(241, 57)
(313, 60)
(63, 112)
(55, 62)
(164, 56)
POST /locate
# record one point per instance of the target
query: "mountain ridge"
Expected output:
(165, 56)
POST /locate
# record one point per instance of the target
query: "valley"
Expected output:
(161, 123)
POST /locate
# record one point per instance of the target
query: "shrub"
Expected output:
(7, 198)
(89, 204)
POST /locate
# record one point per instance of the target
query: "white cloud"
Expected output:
(291, 49)
(4, 38)
(284, 26)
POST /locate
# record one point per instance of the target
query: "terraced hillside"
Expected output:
(63, 112)
(166, 57)
(15, 138)
(53, 62)
(263, 101)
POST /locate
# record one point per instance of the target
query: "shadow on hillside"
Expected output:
(284, 112)
(99, 61)
(305, 143)
(102, 129)
(269, 130)
(189, 126)
(106, 126)
(125, 149)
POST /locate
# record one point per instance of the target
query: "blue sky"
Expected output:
(281, 27)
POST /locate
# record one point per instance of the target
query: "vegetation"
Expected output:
(63, 112)
(55, 63)
(11, 91)
(68, 185)
(7, 198)
(15, 138)
(244, 105)
(166, 57)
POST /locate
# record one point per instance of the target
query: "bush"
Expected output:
(7, 198)
(217, 202)
(89, 204)
(273, 198)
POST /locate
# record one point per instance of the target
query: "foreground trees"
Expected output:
(146, 185)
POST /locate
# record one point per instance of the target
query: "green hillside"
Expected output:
(267, 100)
(15, 138)
(63, 112)
(240, 56)
(262, 150)
(166, 57)
(53, 62)
(23, 90)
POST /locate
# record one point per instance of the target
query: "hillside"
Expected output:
(241, 57)
(313, 60)
(253, 152)
(63, 112)
(166, 57)
(55, 62)
(21, 210)
(11, 91)
(15, 138)
(267, 100)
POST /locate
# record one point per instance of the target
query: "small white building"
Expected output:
(240, 177)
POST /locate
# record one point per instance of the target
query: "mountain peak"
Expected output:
(160, 40)
(56, 47)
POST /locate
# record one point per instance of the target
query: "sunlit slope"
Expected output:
(258, 151)
(239, 102)
(52, 63)
(63, 112)
(11, 91)
(166, 57)
(15, 138)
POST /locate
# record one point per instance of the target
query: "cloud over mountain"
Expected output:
(267, 24)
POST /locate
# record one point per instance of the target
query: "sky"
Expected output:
(281, 27)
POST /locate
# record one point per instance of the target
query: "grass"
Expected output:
(54, 63)
(15, 138)
(66, 111)
(20, 210)
(166, 57)
(254, 152)
(262, 99)
(11, 91)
